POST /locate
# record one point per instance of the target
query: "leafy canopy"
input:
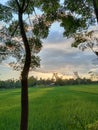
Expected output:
(75, 16)
(36, 29)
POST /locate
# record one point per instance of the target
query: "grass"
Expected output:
(54, 108)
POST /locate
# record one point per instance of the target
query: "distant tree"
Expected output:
(32, 81)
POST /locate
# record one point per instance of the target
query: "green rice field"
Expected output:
(52, 108)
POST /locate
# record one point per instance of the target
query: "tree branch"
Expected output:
(18, 4)
(5, 53)
(35, 12)
(23, 5)
(15, 30)
(26, 6)
(96, 8)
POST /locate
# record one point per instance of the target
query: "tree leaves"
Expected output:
(81, 7)
(80, 15)
(86, 40)
(5, 13)
(41, 29)
(35, 44)
(74, 16)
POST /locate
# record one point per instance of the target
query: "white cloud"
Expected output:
(57, 55)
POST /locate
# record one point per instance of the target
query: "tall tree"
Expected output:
(74, 16)
(22, 39)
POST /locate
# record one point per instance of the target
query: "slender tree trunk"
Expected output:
(95, 3)
(24, 77)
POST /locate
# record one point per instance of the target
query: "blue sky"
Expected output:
(57, 55)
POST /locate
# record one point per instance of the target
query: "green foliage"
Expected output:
(78, 39)
(41, 29)
(50, 7)
(11, 36)
(35, 82)
(46, 5)
(10, 44)
(5, 13)
(35, 61)
(35, 44)
(82, 17)
(36, 31)
(8, 84)
(79, 16)
(76, 16)
(23, 4)
(13, 5)
(14, 26)
(86, 40)
(71, 24)
(84, 8)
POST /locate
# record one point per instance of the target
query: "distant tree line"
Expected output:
(10, 83)
(35, 82)
(63, 82)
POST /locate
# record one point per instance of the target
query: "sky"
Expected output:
(58, 56)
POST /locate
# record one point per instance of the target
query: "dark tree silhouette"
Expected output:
(24, 50)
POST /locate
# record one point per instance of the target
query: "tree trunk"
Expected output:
(95, 3)
(24, 77)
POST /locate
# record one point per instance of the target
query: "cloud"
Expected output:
(57, 55)
(7, 73)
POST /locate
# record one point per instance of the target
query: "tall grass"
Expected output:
(55, 108)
